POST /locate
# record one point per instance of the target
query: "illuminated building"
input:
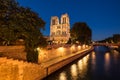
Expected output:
(60, 30)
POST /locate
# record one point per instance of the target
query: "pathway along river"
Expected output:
(101, 64)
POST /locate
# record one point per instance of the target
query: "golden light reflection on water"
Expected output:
(74, 72)
(107, 61)
(93, 60)
(63, 76)
(93, 55)
(82, 65)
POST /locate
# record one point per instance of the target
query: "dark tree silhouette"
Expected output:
(81, 33)
(19, 22)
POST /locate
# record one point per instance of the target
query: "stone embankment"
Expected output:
(16, 52)
(55, 64)
(18, 70)
(50, 60)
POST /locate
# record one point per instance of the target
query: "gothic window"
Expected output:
(58, 27)
(53, 33)
(64, 20)
(64, 33)
(53, 22)
(58, 32)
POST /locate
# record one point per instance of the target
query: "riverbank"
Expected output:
(55, 64)
(50, 61)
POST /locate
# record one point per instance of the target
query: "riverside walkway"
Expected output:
(56, 60)
(57, 63)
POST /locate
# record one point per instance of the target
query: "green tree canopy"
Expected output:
(81, 32)
(18, 22)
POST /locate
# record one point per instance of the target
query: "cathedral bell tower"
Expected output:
(60, 31)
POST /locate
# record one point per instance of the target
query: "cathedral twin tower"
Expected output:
(60, 30)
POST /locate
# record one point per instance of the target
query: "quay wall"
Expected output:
(16, 52)
(46, 55)
(12, 69)
(19, 70)
(52, 68)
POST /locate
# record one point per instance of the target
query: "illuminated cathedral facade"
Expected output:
(60, 29)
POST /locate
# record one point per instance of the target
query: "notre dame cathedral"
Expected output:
(60, 30)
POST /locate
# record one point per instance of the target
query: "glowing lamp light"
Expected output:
(61, 50)
(73, 47)
(86, 46)
(79, 47)
(38, 49)
(83, 46)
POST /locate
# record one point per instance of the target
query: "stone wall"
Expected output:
(57, 51)
(16, 52)
(11, 69)
(18, 70)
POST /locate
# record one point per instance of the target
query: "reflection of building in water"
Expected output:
(60, 31)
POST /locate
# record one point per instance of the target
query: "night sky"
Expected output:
(102, 16)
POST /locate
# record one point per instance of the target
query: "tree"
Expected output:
(81, 32)
(116, 38)
(18, 22)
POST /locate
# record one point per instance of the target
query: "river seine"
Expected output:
(100, 64)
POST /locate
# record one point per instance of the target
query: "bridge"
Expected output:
(112, 45)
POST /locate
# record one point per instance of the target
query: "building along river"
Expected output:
(101, 64)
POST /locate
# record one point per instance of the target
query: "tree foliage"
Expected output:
(81, 33)
(17, 22)
(113, 39)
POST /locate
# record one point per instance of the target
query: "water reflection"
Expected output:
(115, 56)
(107, 62)
(82, 66)
(93, 62)
(74, 72)
(98, 65)
(63, 76)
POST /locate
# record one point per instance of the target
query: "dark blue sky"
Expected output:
(102, 16)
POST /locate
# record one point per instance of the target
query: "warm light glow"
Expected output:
(42, 54)
(61, 50)
(62, 76)
(82, 65)
(107, 61)
(93, 60)
(79, 47)
(86, 46)
(107, 57)
(38, 49)
(93, 55)
(85, 59)
(73, 48)
(74, 70)
(83, 46)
